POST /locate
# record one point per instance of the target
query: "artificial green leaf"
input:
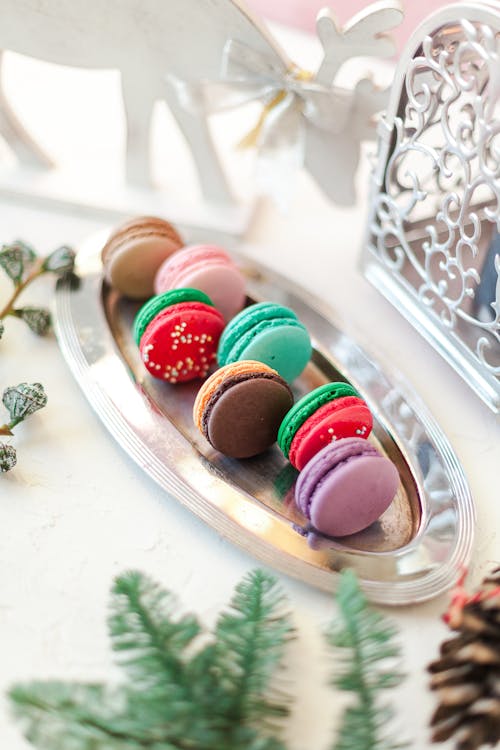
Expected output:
(24, 399)
(37, 318)
(16, 259)
(8, 457)
(60, 261)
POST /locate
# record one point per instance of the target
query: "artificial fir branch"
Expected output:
(364, 641)
(180, 695)
(250, 641)
(177, 696)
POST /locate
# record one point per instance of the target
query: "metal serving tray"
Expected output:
(416, 549)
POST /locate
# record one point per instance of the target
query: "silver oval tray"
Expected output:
(414, 552)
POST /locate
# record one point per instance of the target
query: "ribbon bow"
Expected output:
(292, 102)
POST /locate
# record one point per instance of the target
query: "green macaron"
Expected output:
(159, 302)
(306, 406)
(270, 333)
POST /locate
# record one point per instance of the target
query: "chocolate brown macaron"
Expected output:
(135, 251)
(240, 407)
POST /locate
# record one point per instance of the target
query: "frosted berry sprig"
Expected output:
(22, 265)
(20, 401)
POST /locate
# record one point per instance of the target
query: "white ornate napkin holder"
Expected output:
(433, 243)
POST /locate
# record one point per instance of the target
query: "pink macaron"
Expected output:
(208, 268)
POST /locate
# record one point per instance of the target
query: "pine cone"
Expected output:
(467, 676)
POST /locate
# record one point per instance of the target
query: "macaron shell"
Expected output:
(180, 343)
(133, 255)
(242, 323)
(281, 344)
(208, 268)
(224, 284)
(160, 302)
(353, 495)
(245, 419)
(307, 406)
(325, 461)
(141, 224)
(187, 257)
(219, 378)
(345, 417)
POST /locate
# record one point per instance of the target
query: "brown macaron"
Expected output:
(240, 407)
(135, 251)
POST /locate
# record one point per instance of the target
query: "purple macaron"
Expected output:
(345, 487)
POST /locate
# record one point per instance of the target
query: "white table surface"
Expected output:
(76, 511)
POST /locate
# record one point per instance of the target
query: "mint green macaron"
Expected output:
(269, 333)
(159, 302)
(306, 406)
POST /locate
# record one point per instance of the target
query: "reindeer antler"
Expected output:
(364, 35)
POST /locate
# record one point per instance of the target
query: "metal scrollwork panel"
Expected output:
(433, 241)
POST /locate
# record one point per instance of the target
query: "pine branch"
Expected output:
(57, 715)
(250, 643)
(148, 641)
(175, 698)
(364, 642)
(151, 646)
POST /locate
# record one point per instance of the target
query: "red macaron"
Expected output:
(178, 333)
(344, 417)
(329, 413)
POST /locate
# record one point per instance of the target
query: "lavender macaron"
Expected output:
(345, 487)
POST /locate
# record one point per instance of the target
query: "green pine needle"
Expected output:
(178, 695)
(364, 642)
(249, 647)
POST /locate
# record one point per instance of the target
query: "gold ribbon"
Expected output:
(251, 139)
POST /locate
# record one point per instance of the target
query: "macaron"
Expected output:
(240, 407)
(205, 267)
(268, 333)
(134, 252)
(345, 487)
(177, 333)
(328, 413)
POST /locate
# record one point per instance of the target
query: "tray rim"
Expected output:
(399, 592)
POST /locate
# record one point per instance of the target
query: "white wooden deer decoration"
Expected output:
(150, 40)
